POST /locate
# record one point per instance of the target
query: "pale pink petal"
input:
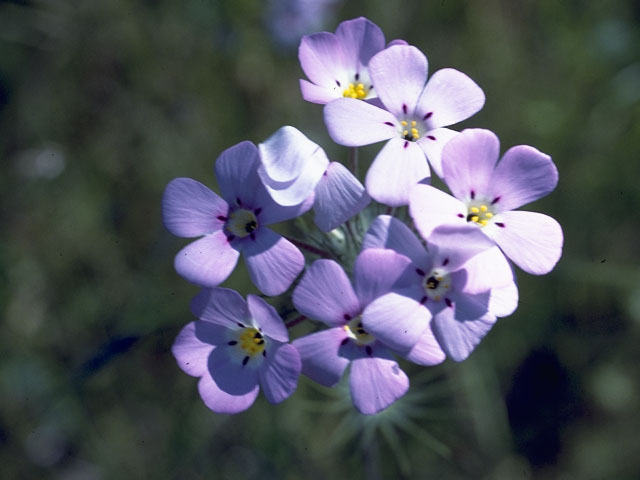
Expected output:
(354, 123)
(450, 96)
(532, 241)
(399, 74)
(208, 261)
(400, 165)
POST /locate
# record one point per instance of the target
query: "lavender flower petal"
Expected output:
(375, 271)
(533, 241)
(458, 338)
(360, 39)
(524, 174)
(273, 261)
(389, 232)
(396, 320)
(400, 165)
(208, 261)
(321, 59)
(279, 373)
(221, 306)
(432, 144)
(236, 171)
(354, 123)
(338, 197)
(192, 352)
(376, 382)
(451, 96)
(321, 361)
(468, 162)
(190, 209)
(448, 211)
(399, 74)
(267, 319)
(244, 388)
(427, 351)
(325, 294)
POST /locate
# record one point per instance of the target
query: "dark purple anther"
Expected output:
(222, 218)
(344, 342)
(406, 144)
(473, 194)
(357, 76)
(448, 302)
(245, 360)
(240, 325)
(500, 224)
(404, 108)
(424, 299)
(257, 211)
(495, 200)
(369, 350)
(431, 137)
(420, 272)
(347, 317)
(389, 123)
(460, 215)
(252, 236)
(428, 115)
(232, 342)
(230, 238)
(238, 201)
(338, 83)
(446, 262)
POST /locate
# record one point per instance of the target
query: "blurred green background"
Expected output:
(103, 102)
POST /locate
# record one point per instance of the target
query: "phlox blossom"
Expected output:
(412, 117)
(488, 191)
(235, 348)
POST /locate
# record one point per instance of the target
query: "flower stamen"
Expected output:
(480, 215)
(357, 91)
(242, 223)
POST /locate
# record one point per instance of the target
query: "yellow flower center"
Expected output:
(251, 341)
(410, 130)
(357, 333)
(479, 214)
(242, 223)
(357, 91)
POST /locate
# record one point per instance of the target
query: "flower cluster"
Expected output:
(382, 291)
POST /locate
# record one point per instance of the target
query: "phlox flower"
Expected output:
(411, 118)
(336, 63)
(233, 223)
(293, 168)
(325, 293)
(486, 193)
(457, 287)
(235, 348)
